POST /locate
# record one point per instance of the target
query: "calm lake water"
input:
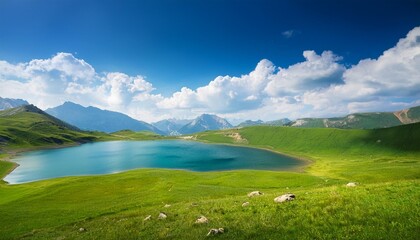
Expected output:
(118, 156)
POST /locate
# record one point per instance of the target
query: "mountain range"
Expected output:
(6, 103)
(95, 119)
(280, 122)
(363, 120)
(171, 126)
(205, 122)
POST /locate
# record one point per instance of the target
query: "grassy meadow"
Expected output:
(384, 205)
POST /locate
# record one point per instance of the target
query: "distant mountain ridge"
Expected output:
(205, 122)
(6, 103)
(95, 119)
(363, 120)
(280, 122)
(171, 126)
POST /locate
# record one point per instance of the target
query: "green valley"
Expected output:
(384, 163)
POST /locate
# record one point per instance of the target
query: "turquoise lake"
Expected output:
(118, 156)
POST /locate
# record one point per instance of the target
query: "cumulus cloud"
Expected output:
(63, 77)
(393, 75)
(225, 94)
(318, 86)
(317, 71)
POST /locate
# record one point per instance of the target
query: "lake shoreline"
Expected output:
(11, 154)
(306, 160)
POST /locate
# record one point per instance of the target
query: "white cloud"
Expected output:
(393, 75)
(64, 65)
(49, 82)
(317, 86)
(225, 94)
(317, 71)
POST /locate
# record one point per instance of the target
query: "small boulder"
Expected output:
(167, 205)
(201, 220)
(284, 198)
(215, 231)
(147, 218)
(351, 184)
(245, 204)
(162, 215)
(255, 193)
(82, 230)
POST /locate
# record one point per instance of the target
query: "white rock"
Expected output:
(351, 184)
(202, 219)
(245, 204)
(167, 205)
(162, 215)
(147, 218)
(82, 229)
(215, 231)
(255, 193)
(284, 198)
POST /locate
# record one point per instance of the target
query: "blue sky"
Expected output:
(173, 47)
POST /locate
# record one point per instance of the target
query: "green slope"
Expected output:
(141, 135)
(338, 152)
(28, 126)
(363, 120)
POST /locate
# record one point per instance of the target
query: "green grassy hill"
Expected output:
(338, 152)
(385, 163)
(141, 135)
(363, 120)
(28, 126)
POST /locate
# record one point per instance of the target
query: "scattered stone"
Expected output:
(351, 184)
(82, 229)
(255, 193)
(147, 218)
(167, 205)
(215, 231)
(162, 215)
(245, 204)
(202, 219)
(284, 198)
(378, 141)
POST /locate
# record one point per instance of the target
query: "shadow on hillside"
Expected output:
(403, 138)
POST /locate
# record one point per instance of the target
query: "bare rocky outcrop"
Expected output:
(215, 231)
(255, 193)
(285, 198)
(237, 137)
(201, 220)
(162, 215)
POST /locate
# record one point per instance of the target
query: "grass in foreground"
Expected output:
(114, 206)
